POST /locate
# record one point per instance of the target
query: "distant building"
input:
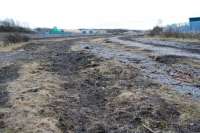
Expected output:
(101, 31)
(181, 28)
(195, 24)
(72, 31)
(192, 27)
(42, 30)
(92, 31)
(88, 31)
(55, 30)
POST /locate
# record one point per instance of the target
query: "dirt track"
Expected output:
(97, 85)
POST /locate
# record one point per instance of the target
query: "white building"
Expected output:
(88, 31)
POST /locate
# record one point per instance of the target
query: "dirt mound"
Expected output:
(169, 59)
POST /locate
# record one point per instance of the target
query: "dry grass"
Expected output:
(189, 109)
(28, 96)
(185, 40)
(9, 48)
(73, 91)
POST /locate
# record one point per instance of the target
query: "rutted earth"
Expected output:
(98, 85)
(178, 69)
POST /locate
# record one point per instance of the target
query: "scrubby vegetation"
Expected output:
(15, 38)
(14, 32)
(156, 31)
(9, 25)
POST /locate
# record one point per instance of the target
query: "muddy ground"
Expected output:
(97, 85)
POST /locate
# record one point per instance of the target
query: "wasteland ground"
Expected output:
(100, 84)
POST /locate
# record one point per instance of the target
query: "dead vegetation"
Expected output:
(9, 25)
(15, 38)
(63, 90)
(116, 98)
(183, 68)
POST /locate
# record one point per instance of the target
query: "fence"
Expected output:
(192, 27)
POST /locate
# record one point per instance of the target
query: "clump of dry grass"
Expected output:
(15, 38)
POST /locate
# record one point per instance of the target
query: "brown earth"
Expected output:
(58, 87)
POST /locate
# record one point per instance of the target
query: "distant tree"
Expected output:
(156, 31)
(9, 25)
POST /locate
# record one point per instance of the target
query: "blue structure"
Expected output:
(181, 28)
(195, 24)
(192, 27)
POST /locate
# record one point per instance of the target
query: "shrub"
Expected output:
(156, 31)
(15, 38)
(9, 25)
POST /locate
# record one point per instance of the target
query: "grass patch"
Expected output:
(15, 38)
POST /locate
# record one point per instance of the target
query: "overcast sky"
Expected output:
(72, 14)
